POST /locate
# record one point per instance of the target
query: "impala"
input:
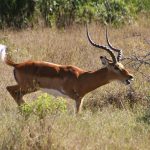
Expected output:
(65, 80)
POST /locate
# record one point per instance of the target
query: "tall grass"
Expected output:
(115, 116)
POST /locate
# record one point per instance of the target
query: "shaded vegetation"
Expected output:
(16, 13)
(62, 13)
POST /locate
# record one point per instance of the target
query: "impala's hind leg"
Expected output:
(17, 93)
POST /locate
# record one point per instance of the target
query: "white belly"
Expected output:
(55, 93)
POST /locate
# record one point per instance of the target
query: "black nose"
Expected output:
(130, 77)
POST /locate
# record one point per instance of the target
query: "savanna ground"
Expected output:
(114, 116)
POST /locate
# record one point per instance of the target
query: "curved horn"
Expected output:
(101, 46)
(119, 51)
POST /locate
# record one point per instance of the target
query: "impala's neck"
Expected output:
(92, 80)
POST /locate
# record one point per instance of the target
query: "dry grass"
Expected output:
(102, 125)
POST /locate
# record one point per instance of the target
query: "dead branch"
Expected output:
(138, 61)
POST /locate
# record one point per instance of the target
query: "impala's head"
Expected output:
(116, 69)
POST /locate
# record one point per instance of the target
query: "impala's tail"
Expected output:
(4, 57)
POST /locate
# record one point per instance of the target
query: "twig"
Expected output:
(138, 61)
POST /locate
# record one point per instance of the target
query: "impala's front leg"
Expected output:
(79, 103)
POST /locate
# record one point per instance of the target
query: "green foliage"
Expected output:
(86, 11)
(64, 13)
(43, 106)
(16, 13)
(113, 11)
(59, 12)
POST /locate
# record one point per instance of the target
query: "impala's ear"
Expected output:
(104, 60)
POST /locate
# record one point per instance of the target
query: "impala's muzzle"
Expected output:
(128, 81)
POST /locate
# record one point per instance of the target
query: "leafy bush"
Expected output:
(43, 106)
(59, 12)
(64, 13)
(113, 11)
(16, 13)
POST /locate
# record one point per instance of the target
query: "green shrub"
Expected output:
(113, 11)
(44, 105)
(64, 13)
(16, 13)
(59, 12)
